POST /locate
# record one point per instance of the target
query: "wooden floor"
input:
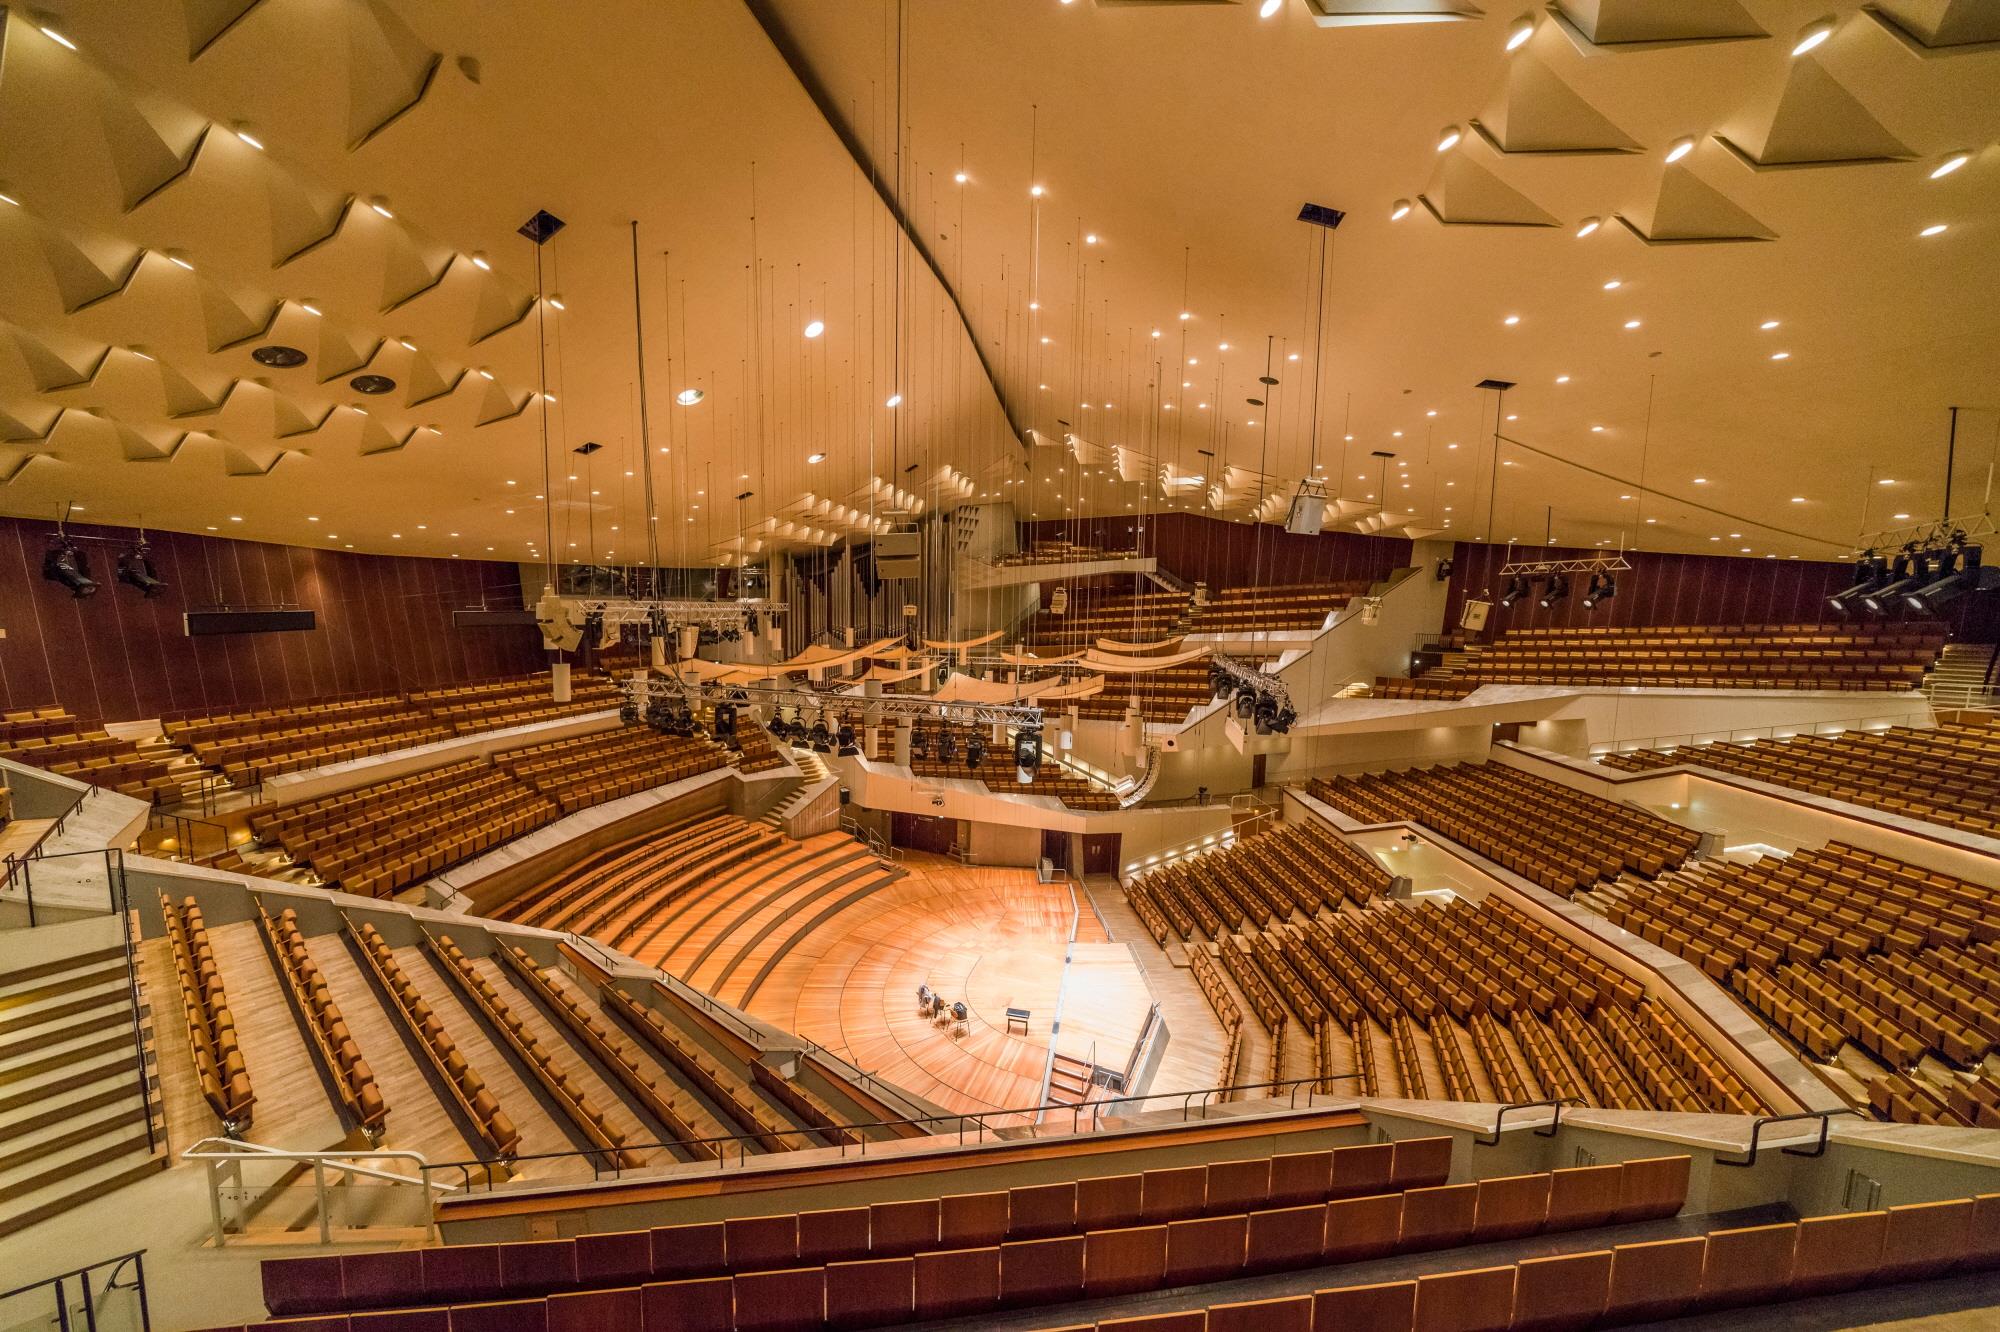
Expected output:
(1195, 1040)
(992, 937)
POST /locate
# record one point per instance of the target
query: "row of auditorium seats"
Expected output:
(736, 1097)
(1431, 689)
(465, 1086)
(1650, 1281)
(1886, 657)
(1947, 774)
(546, 1065)
(50, 738)
(1278, 608)
(1561, 838)
(667, 1102)
(1296, 867)
(1843, 945)
(755, 750)
(377, 839)
(967, 1255)
(635, 881)
(1095, 611)
(1061, 552)
(997, 771)
(326, 1030)
(211, 1029)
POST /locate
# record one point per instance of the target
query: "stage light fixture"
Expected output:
(1870, 572)
(1909, 570)
(1027, 756)
(1959, 567)
(1518, 587)
(1602, 587)
(135, 569)
(1557, 589)
(975, 751)
(64, 563)
(628, 712)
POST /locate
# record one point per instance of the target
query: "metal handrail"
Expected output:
(257, 1151)
(137, 1258)
(979, 1119)
(1818, 1147)
(1555, 1121)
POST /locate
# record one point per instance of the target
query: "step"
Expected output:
(50, 978)
(60, 1052)
(26, 1042)
(22, 1017)
(58, 1107)
(40, 1170)
(93, 1182)
(56, 1135)
(114, 1058)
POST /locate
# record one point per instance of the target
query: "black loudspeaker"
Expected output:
(845, 795)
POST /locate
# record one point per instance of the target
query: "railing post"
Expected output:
(319, 1192)
(145, 1307)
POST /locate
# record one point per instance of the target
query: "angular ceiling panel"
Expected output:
(1534, 111)
(1622, 22)
(1691, 210)
(1464, 193)
(1942, 24)
(389, 68)
(206, 20)
(1818, 122)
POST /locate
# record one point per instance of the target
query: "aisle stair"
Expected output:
(1962, 679)
(73, 1113)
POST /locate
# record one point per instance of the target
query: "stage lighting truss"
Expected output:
(1558, 576)
(772, 699)
(661, 617)
(1932, 564)
(1261, 700)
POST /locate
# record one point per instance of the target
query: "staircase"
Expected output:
(73, 1106)
(814, 773)
(1959, 679)
(1069, 1080)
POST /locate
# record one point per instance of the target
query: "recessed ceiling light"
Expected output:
(380, 208)
(1194, 360)
(235, 517)
(961, 177)
(1624, 497)
(1886, 481)
(250, 139)
(1045, 339)
(1448, 138)
(1511, 320)
(1935, 228)
(1768, 325)
(815, 457)
(1597, 430)
(309, 307)
(1090, 238)
(814, 328)
(557, 302)
(688, 397)
(1631, 323)
(1562, 379)
(57, 37)
(1614, 284)
(1034, 305)
(1523, 28)
(895, 400)
(1293, 357)
(479, 262)
(1269, 7)
(1681, 148)
(1035, 191)
(1950, 164)
(1701, 480)
(1781, 356)
(1798, 499)
(486, 374)
(1185, 316)
(1589, 225)
(1399, 210)
(1812, 35)
(1899, 516)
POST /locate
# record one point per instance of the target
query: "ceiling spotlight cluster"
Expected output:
(1554, 578)
(1921, 577)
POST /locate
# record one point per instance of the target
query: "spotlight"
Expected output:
(1518, 587)
(1027, 756)
(725, 722)
(1870, 572)
(1909, 570)
(946, 750)
(64, 563)
(1557, 589)
(1602, 587)
(1246, 704)
(1266, 714)
(975, 751)
(821, 738)
(628, 712)
(1286, 716)
(920, 744)
(1960, 569)
(135, 569)
(844, 739)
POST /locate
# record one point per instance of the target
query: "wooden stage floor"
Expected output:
(994, 938)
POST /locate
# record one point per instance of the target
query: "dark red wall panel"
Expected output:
(1664, 589)
(384, 624)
